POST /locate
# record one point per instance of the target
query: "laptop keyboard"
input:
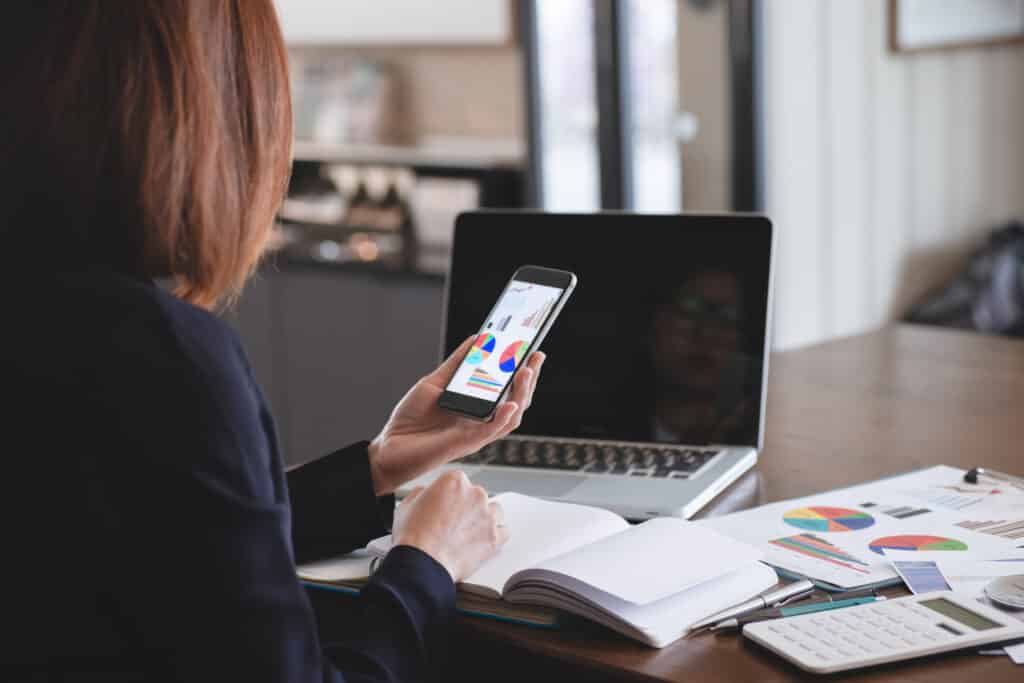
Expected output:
(594, 458)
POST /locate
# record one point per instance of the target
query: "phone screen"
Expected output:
(504, 340)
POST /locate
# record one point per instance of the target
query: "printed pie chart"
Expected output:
(511, 356)
(483, 347)
(820, 518)
(916, 542)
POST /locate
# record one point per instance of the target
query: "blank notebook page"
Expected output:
(539, 530)
(653, 560)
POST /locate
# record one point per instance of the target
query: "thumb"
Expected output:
(412, 495)
(445, 371)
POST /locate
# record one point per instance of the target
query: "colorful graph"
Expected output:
(483, 347)
(828, 519)
(536, 319)
(916, 542)
(511, 356)
(810, 545)
(484, 381)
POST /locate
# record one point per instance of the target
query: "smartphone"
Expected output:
(517, 325)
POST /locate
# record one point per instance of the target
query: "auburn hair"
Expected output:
(153, 136)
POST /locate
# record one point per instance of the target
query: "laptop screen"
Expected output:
(663, 340)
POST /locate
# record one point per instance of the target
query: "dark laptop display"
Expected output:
(663, 340)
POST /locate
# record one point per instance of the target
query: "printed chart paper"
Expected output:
(842, 537)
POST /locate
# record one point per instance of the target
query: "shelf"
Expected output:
(482, 154)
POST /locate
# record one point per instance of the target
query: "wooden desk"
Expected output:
(840, 413)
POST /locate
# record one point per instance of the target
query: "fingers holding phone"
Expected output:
(521, 397)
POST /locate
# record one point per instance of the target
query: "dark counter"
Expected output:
(336, 344)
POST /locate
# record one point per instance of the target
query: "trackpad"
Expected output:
(540, 485)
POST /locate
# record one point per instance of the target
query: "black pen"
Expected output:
(974, 476)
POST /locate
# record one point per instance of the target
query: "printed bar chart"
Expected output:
(1004, 528)
(810, 545)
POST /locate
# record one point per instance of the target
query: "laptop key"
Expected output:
(663, 462)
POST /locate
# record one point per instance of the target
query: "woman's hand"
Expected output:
(453, 522)
(419, 436)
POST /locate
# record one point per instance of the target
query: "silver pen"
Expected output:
(769, 599)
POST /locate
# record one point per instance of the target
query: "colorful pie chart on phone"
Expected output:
(483, 347)
(511, 356)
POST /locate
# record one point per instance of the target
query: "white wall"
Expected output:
(882, 170)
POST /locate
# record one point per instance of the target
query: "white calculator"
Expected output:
(884, 631)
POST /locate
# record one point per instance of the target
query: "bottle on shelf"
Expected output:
(360, 210)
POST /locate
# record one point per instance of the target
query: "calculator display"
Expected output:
(959, 614)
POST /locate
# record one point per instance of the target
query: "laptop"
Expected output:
(652, 400)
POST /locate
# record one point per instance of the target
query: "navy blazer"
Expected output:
(150, 531)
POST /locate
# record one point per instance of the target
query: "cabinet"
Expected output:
(335, 349)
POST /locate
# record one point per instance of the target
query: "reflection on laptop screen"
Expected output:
(663, 340)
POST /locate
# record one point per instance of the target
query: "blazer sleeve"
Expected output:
(199, 550)
(334, 509)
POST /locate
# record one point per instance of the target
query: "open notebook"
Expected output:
(650, 582)
(349, 573)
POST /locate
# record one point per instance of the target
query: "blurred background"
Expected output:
(885, 139)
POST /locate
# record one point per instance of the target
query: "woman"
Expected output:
(151, 533)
